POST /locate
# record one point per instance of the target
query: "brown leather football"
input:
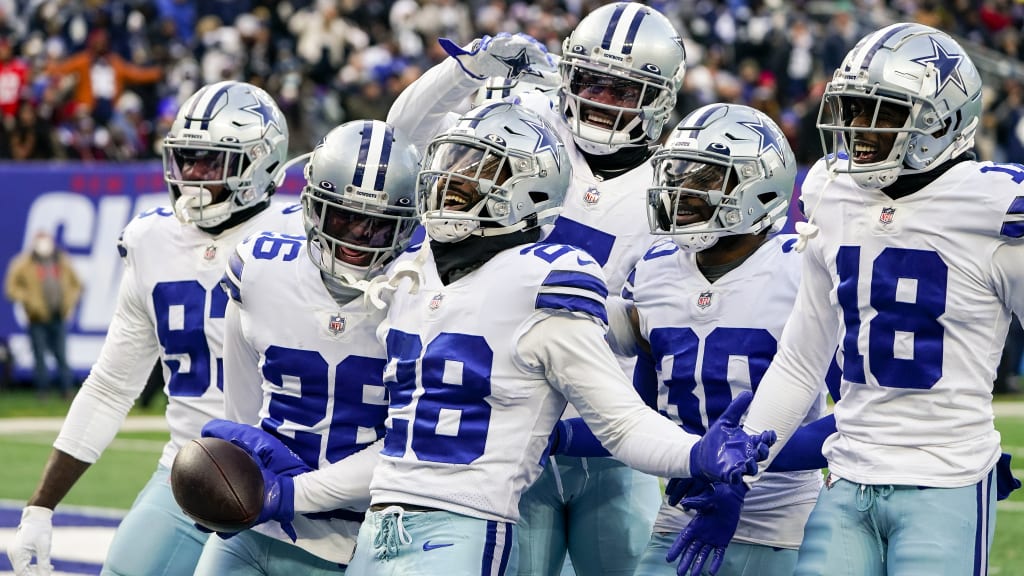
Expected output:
(217, 484)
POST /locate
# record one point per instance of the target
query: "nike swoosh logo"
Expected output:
(583, 261)
(428, 546)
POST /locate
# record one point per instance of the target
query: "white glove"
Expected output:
(33, 538)
(504, 55)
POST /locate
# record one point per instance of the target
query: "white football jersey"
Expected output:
(472, 405)
(605, 217)
(306, 370)
(170, 305)
(712, 341)
(917, 292)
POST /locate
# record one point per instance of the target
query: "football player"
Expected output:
(912, 266)
(482, 359)
(708, 305)
(620, 69)
(222, 157)
(301, 359)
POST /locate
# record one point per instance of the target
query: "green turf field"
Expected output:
(127, 464)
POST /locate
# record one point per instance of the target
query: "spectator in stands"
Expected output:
(101, 75)
(30, 137)
(43, 282)
(13, 78)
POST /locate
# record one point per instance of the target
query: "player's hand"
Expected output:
(1005, 482)
(679, 488)
(33, 538)
(726, 453)
(505, 55)
(277, 463)
(709, 533)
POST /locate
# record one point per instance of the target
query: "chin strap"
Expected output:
(808, 230)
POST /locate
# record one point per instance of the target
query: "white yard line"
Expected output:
(36, 425)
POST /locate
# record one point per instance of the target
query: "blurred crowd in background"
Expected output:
(102, 79)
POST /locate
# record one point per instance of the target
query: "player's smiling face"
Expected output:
(609, 91)
(358, 230)
(691, 209)
(869, 146)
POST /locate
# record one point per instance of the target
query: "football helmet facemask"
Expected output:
(359, 202)
(907, 72)
(621, 69)
(223, 152)
(725, 169)
(500, 169)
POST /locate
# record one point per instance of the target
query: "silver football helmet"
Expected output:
(359, 202)
(903, 70)
(621, 70)
(500, 169)
(725, 169)
(223, 152)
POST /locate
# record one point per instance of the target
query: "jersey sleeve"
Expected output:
(232, 280)
(117, 378)
(795, 377)
(1008, 275)
(243, 383)
(577, 362)
(341, 484)
(574, 284)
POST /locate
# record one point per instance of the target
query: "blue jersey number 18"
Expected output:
(908, 295)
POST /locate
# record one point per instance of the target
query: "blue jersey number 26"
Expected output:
(908, 295)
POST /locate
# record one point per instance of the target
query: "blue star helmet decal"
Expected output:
(518, 64)
(947, 64)
(265, 112)
(768, 139)
(545, 141)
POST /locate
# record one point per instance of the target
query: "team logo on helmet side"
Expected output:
(767, 138)
(947, 64)
(264, 111)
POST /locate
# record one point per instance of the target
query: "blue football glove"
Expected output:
(1005, 482)
(277, 463)
(679, 488)
(709, 533)
(505, 55)
(726, 453)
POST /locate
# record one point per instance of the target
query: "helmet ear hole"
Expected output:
(539, 197)
(766, 198)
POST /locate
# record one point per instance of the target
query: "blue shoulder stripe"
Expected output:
(573, 304)
(1013, 226)
(576, 279)
(232, 280)
(573, 291)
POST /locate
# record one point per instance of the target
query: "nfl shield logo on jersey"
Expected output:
(211, 252)
(336, 324)
(886, 216)
(704, 300)
(591, 196)
(435, 302)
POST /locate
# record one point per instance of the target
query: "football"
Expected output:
(217, 484)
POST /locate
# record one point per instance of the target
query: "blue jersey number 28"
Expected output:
(452, 415)
(908, 295)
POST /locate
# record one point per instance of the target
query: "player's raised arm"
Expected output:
(422, 108)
